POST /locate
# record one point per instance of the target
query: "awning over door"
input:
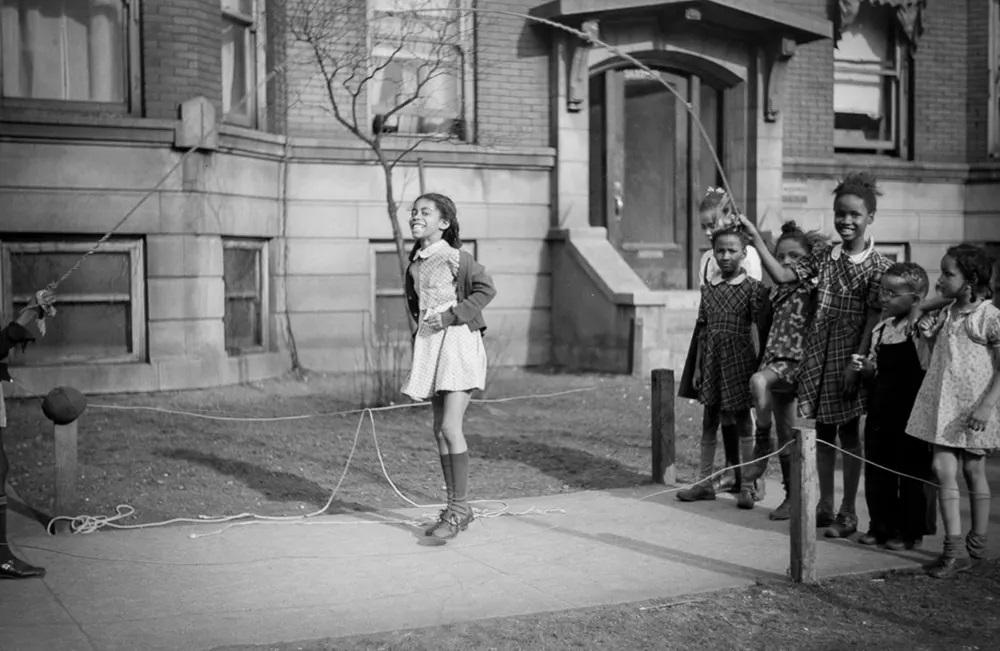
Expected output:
(753, 17)
(909, 13)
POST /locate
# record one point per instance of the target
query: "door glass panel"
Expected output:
(598, 168)
(708, 173)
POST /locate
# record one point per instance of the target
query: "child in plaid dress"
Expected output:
(725, 359)
(773, 386)
(446, 291)
(848, 277)
(955, 408)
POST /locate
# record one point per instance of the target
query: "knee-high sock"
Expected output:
(460, 475)
(850, 441)
(449, 479)
(5, 552)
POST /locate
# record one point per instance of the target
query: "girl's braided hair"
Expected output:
(860, 184)
(975, 265)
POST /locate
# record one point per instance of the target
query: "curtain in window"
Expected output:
(858, 87)
(71, 50)
(909, 13)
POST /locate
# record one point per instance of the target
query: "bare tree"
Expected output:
(392, 72)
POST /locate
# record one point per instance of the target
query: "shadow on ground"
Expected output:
(274, 485)
(570, 466)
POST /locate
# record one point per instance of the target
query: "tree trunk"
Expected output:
(397, 234)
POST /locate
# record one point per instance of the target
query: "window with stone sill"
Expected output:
(81, 55)
(244, 275)
(100, 308)
(422, 76)
(389, 314)
(243, 61)
(871, 98)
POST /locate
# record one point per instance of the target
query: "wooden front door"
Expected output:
(647, 171)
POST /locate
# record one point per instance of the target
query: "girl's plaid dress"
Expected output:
(728, 359)
(846, 287)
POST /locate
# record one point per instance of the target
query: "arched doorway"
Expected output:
(649, 168)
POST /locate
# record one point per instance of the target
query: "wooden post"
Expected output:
(803, 524)
(662, 421)
(65, 452)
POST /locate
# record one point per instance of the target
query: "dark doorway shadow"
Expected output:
(275, 485)
(570, 466)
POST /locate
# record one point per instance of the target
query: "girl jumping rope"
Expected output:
(955, 408)
(848, 278)
(446, 291)
(725, 357)
(773, 386)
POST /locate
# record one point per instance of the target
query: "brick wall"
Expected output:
(949, 86)
(512, 89)
(182, 54)
(940, 97)
(510, 60)
(978, 80)
(808, 112)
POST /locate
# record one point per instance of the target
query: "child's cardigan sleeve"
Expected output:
(480, 291)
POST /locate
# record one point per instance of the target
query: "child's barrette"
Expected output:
(711, 190)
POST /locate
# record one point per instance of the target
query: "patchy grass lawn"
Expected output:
(896, 611)
(169, 465)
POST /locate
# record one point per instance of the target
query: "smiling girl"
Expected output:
(446, 291)
(848, 279)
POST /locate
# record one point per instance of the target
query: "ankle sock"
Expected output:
(975, 544)
(952, 546)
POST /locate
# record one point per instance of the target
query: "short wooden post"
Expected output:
(662, 421)
(803, 524)
(66, 455)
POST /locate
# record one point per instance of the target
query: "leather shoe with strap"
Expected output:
(15, 568)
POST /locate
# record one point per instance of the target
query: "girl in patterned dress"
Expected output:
(725, 358)
(773, 386)
(848, 279)
(955, 409)
(446, 291)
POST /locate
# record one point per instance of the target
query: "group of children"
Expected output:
(841, 332)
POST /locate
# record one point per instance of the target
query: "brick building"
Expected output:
(576, 175)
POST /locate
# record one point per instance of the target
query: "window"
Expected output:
(242, 100)
(894, 252)
(389, 313)
(870, 90)
(245, 277)
(101, 307)
(84, 51)
(994, 90)
(421, 83)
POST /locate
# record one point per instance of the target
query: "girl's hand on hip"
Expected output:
(434, 322)
(977, 421)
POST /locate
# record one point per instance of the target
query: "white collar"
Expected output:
(856, 258)
(429, 250)
(738, 279)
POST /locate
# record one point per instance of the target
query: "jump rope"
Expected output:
(90, 524)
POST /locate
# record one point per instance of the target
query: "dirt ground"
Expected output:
(167, 465)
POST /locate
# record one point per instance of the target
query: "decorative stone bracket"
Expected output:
(778, 56)
(579, 73)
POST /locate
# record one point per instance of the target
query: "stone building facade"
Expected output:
(249, 223)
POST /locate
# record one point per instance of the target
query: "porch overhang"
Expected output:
(751, 17)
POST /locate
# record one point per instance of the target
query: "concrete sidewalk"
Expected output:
(344, 575)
